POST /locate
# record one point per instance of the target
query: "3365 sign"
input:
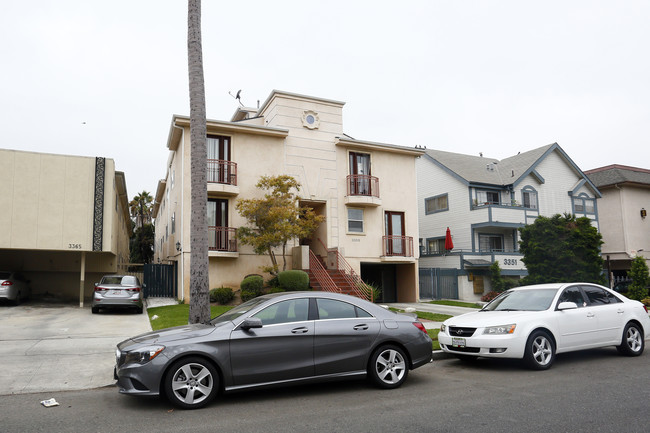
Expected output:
(74, 246)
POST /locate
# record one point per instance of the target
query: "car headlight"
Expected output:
(443, 327)
(143, 355)
(500, 330)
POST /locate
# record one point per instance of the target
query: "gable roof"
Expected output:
(507, 172)
(618, 174)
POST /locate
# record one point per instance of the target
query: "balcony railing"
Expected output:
(222, 239)
(398, 246)
(361, 184)
(220, 171)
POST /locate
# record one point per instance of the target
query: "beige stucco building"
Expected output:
(623, 208)
(365, 190)
(64, 221)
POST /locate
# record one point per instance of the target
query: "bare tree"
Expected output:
(199, 282)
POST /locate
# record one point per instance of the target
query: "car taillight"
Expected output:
(646, 308)
(136, 289)
(7, 283)
(99, 288)
(420, 326)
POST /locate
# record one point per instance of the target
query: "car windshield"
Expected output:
(231, 315)
(522, 300)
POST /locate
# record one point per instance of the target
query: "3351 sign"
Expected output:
(510, 262)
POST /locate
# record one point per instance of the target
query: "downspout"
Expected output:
(181, 262)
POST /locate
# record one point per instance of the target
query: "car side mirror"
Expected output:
(96, 284)
(250, 323)
(567, 306)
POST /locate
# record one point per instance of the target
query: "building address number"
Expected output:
(510, 262)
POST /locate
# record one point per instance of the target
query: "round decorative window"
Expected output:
(310, 119)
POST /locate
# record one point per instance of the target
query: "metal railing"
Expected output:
(321, 275)
(220, 171)
(222, 239)
(357, 287)
(401, 246)
(362, 184)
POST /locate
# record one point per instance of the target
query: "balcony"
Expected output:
(222, 242)
(362, 190)
(397, 248)
(222, 177)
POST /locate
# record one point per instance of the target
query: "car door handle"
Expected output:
(621, 311)
(590, 315)
(301, 330)
(361, 328)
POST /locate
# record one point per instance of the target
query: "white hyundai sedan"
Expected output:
(534, 323)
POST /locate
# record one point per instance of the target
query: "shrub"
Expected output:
(293, 280)
(489, 296)
(253, 283)
(273, 282)
(222, 295)
(276, 290)
(247, 295)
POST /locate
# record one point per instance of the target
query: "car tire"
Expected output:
(191, 383)
(539, 353)
(94, 310)
(18, 299)
(632, 343)
(388, 367)
(138, 310)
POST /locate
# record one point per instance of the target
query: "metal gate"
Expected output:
(437, 283)
(160, 281)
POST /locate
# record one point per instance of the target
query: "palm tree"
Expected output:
(199, 283)
(140, 208)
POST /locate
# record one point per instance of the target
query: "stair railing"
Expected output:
(321, 275)
(359, 288)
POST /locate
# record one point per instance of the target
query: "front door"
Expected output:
(395, 241)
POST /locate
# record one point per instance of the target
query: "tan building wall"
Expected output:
(280, 140)
(54, 226)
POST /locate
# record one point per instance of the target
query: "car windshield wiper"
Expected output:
(507, 309)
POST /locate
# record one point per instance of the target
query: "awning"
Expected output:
(477, 263)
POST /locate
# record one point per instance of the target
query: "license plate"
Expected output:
(116, 293)
(458, 342)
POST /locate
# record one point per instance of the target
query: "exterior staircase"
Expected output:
(335, 280)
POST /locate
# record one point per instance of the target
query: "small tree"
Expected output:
(142, 244)
(276, 218)
(561, 248)
(498, 284)
(638, 289)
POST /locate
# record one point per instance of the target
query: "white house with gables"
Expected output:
(483, 201)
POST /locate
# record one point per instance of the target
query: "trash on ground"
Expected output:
(49, 403)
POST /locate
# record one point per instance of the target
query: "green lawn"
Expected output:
(433, 333)
(434, 317)
(176, 315)
(456, 304)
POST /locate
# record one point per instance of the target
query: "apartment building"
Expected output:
(484, 201)
(65, 221)
(365, 190)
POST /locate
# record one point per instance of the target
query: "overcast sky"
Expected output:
(103, 78)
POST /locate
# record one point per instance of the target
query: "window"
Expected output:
(598, 296)
(487, 197)
(173, 222)
(529, 199)
(355, 220)
(360, 174)
(436, 246)
(294, 310)
(490, 243)
(331, 309)
(584, 205)
(573, 294)
(435, 204)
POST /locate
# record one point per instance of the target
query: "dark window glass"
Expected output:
(331, 309)
(294, 310)
(573, 294)
(598, 296)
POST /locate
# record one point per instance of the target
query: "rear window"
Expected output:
(112, 280)
(4, 275)
(130, 281)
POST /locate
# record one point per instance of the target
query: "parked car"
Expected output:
(14, 287)
(534, 323)
(277, 339)
(118, 291)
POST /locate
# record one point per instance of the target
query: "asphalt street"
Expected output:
(592, 391)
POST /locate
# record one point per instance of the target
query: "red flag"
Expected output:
(449, 244)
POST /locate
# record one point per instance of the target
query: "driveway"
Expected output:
(55, 347)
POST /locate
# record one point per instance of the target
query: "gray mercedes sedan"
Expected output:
(277, 339)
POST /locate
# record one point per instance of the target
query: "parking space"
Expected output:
(55, 347)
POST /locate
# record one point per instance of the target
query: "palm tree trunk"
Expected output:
(199, 282)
